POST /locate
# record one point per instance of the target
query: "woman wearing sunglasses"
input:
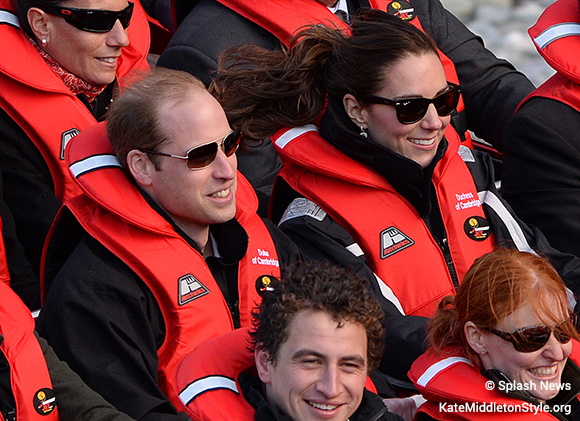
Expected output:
(506, 339)
(383, 184)
(60, 62)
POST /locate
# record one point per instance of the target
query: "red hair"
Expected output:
(495, 286)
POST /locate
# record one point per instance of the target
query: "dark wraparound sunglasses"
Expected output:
(532, 338)
(202, 156)
(411, 110)
(92, 20)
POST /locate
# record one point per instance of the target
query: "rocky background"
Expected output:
(503, 25)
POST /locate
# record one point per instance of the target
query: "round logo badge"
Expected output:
(44, 401)
(477, 228)
(266, 283)
(401, 9)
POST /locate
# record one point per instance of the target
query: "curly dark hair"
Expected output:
(318, 286)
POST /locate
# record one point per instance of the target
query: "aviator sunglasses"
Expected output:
(411, 110)
(533, 338)
(202, 156)
(92, 20)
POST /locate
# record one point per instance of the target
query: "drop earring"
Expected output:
(363, 132)
(44, 42)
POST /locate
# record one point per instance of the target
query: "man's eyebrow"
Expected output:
(306, 352)
(312, 353)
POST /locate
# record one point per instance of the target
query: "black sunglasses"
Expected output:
(202, 156)
(411, 110)
(532, 338)
(92, 20)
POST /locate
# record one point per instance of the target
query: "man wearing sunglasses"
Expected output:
(171, 249)
(491, 88)
(60, 65)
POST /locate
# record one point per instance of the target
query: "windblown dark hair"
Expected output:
(318, 286)
(262, 91)
(496, 285)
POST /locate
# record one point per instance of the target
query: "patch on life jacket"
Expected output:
(477, 228)
(65, 138)
(44, 401)
(393, 241)
(266, 283)
(190, 288)
(401, 9)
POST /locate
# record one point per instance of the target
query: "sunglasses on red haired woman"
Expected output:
(533, 338)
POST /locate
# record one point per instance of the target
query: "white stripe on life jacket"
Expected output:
(556, 32)
(9, 18)
(94, 162)
(206, 384)
(294, 133)
(438, 367)
(514, 229)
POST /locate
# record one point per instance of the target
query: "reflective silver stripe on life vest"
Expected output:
(514, 229)
(294, 133)
(438, 367)
(556, 32)
(9, 18)
(94, 162)
(206, 384)
(355, 249)
(389, 294)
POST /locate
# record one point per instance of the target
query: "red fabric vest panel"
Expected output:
(217, 361)
(4, 273)
(285, 19)
(114, 212)
(28, 370)
(555, 36)
(461, 382)
(414, 267)
(32, 94)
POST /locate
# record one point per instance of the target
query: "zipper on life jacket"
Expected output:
(444, 246)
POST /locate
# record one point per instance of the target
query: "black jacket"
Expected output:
(103, 320)
(541, 178)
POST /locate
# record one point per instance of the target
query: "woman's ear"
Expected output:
(355, 110)
(140, 167)
(475, 338)
(40, 23)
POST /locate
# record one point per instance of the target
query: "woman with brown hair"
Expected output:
(382, 182)
(505, 343)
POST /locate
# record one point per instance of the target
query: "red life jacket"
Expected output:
(285, 19)
(115, 213)
(394, 238)
(29, 375)
(555, 36)
(208, 378)
(39, 102)
(4, 273)
(451, 378)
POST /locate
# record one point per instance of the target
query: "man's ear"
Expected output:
(354, 110)
(140, 167)
(40, 23)
(263, 365)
